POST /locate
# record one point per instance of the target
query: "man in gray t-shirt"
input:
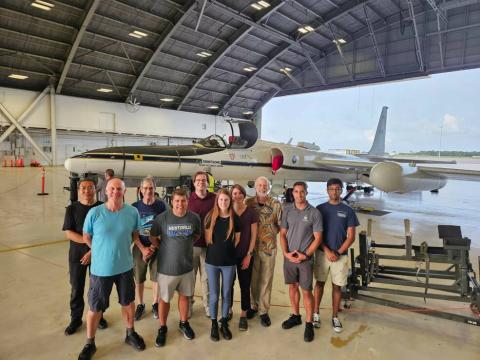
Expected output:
(174, 233)
(300, 235)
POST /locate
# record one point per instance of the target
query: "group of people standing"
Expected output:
(219, 236)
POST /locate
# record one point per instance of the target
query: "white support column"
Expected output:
(53, 126)
(24, 133)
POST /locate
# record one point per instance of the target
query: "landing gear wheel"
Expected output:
(475, 309)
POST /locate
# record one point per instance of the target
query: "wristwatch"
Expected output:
(250, 253)
(336, 253)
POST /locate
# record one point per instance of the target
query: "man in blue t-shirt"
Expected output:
(148, 208)
(109, 230)
(339, 222)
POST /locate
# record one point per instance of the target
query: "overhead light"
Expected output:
(18, 76)
(306, 29)
(166, 99)
(138, 34)
(250, 68)
(285, 69)
(104, 90)
(44, 5)
(259, 5)
(248, 112)
(214, 107)
(339, 41)
(204, 54)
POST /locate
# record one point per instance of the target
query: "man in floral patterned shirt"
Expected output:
(269, 215)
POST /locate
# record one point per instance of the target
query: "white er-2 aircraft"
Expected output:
(243, 158)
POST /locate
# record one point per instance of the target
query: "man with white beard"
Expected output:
(269, 213)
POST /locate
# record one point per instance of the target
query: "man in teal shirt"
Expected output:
(109, 230)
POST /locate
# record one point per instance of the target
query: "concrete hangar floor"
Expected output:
(34, 292)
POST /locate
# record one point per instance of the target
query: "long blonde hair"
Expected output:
(212, 216)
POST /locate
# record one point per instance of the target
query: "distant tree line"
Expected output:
(444, 153)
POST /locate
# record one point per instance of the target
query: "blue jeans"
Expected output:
(213, 273)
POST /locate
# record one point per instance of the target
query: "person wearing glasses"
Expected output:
(148, 208)
(79, 254)
(200, 202)
(339, 223)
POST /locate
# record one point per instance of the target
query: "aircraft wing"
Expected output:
(407, 160)
(452, 173)
(345, 163)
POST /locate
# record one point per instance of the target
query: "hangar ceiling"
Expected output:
(229, 56)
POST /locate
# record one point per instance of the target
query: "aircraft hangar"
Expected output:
(76, 75)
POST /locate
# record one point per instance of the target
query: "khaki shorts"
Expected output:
(338, 269)
(140, 267)
(167, 284)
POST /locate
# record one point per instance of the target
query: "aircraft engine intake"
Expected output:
(394, 177)
(277, 159)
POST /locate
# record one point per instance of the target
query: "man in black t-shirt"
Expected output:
(79, 253)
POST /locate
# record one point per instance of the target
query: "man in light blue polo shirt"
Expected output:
(109, 230)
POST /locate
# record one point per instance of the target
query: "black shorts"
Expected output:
(301, 273)
(101, 288)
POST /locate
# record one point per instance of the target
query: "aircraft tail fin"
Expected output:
(378, 146)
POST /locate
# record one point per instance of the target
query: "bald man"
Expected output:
(109, 230)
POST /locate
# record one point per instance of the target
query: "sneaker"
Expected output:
(73, 326)
(308, 335)
(155, 310)
(214, 332)
(316, 320)
(139, 311)
(135, 341)
(226, 333)
(186, 330)
(337, 325)
(87, 352)
(251, 313)
(292, 321)
(265, 320)
(161, 337)
(243, 324)
(102, 324)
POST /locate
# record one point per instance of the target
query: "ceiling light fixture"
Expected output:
(259, 5)
(18, 76)
(214, 107)
(250, 68)
(104, 90)
(285, 69)
(339, 41)
(204, 54)
(44, 5)
(248, 112)
(166, 99)
(138, 34)
(305, 29)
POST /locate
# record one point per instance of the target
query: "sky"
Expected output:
(423, 113)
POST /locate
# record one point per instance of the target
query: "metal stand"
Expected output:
(367, 270)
